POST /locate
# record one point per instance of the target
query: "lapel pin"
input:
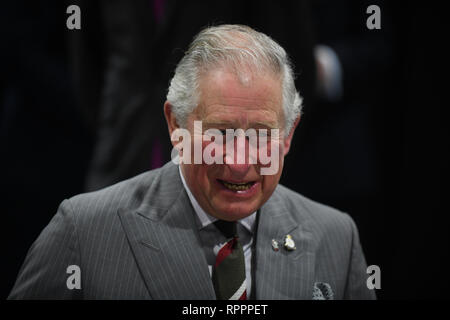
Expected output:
(275, 245)
(289, 243)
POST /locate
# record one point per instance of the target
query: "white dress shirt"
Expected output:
(210, 243)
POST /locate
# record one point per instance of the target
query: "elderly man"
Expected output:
(217, 225)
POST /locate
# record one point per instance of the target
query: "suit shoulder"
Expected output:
(127, 194)
(320, 216)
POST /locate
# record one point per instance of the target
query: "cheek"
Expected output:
(270, 182)
(271, 155)
(198, 174)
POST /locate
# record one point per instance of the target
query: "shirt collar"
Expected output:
(206, 219)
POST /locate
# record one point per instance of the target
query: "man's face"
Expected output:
(229, 103)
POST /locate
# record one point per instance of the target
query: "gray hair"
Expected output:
(234, 46)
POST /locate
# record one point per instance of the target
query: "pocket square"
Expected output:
(322, 291)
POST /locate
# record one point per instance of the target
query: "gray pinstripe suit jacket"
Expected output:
(138, 240)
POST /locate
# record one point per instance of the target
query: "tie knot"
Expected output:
(228, 228)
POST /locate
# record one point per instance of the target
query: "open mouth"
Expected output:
(237, 186)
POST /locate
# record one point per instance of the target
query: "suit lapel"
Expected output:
(164, 239)
(283, 274)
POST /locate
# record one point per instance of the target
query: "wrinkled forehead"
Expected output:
(247, 98)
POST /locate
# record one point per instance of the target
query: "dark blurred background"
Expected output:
(82, 109)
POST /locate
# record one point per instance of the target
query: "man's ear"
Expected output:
(288, 139)
(170, 118)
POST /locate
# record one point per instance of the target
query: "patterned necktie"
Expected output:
(229, 270)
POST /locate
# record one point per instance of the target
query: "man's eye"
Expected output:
(213, 132)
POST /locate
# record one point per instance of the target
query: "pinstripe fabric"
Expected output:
(328, 250)
(138, 240)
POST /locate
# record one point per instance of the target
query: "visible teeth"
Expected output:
(237, 186)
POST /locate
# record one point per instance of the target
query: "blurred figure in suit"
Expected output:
(340, 140)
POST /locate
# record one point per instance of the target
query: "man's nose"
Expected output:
(238, 160)
(239, 169)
